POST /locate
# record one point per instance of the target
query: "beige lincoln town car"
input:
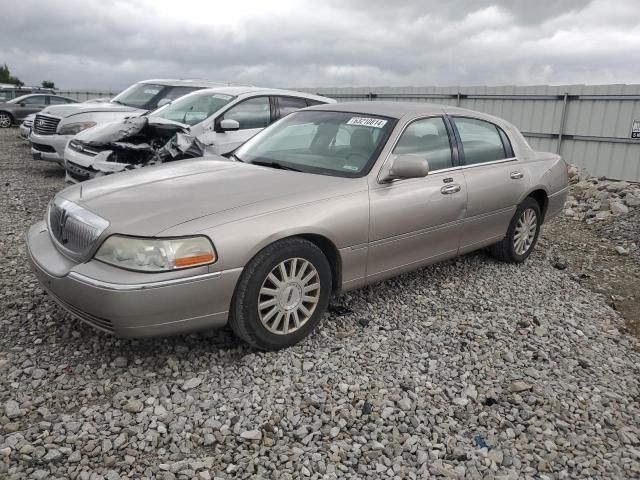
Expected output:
(328, 199)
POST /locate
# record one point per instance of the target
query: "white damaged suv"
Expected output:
(54, 126)
(209, 121)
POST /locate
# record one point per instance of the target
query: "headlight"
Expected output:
(156, 255)
(73, 128)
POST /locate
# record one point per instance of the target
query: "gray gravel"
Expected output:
(467, 369)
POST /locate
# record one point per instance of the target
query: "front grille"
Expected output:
(78, 147)
(44, 125)
(78, 172)
(74, 228)
(102, 324)
(43, 148)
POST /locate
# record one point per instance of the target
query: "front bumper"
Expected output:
(131, 304)
(49, 147)
(24, 131)
(78, 166)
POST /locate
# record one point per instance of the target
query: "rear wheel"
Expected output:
(281, 295)
(6, 120)
(522, 234)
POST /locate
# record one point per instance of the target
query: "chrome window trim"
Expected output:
(141, 286)
(493, 162)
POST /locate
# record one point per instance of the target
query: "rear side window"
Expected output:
(481, 141)
(289, 105)
(427, 138)
(58, 101)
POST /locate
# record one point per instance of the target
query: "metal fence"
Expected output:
(84, 95)
(594, 127)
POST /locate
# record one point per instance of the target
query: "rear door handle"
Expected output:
(517, 175)
(449, 189)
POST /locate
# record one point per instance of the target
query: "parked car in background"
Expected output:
(9, 92)
(55, 126)
(328, 199)
(26, 126)
(14, 111)
(215, 120)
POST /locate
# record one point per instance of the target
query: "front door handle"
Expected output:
(449, 189)
(517, 175)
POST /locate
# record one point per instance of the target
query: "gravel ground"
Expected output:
(466, 369)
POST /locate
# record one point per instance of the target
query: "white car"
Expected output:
(217, 120)
(56, 125)
(26, 126)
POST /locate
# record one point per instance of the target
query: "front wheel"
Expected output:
(281, 295)
(5, 120)
(522, 233)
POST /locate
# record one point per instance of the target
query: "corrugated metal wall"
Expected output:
(592, 123)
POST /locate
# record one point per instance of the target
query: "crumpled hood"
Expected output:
(64, 111)
(148, 201)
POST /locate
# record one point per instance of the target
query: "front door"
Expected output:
(253, 115)
(417, 221)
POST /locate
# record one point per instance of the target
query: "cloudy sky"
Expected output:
(288, 43)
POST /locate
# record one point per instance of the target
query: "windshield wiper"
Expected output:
(272, 164)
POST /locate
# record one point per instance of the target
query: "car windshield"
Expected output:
(193, 108)
(139, 95)
(330, 143)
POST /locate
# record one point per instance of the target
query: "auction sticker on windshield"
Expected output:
(367, 122)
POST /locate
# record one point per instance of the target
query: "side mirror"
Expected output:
(229, 125)
(22, 104)
(405, 166)
(163, 102)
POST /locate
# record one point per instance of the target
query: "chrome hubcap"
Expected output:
(525, 231)
(5, 121)
(289, 296)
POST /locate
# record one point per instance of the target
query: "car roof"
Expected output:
(186, 82)
(237, 90)
(396, 109)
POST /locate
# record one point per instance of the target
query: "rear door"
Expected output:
(494, 178)
(417, 221)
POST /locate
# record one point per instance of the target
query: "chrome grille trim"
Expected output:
(44, 125)
(74, 229)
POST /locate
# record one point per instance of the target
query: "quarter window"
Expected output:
(481, 141)
(252, 113)
(427, 138)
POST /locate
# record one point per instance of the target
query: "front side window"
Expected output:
(251, 113)
(35, 100)
(330, 143)
(481, 141)
(289, 105)
(427, 138)
(194, 108)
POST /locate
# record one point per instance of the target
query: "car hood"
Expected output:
(64, 111)
(148, 201)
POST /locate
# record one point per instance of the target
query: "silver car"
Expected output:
(327, 199)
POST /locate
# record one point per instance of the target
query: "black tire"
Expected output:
(4, 115)
(505, 250)
(244, 316)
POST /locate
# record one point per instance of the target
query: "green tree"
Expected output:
(6, 77)
(48, 84)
